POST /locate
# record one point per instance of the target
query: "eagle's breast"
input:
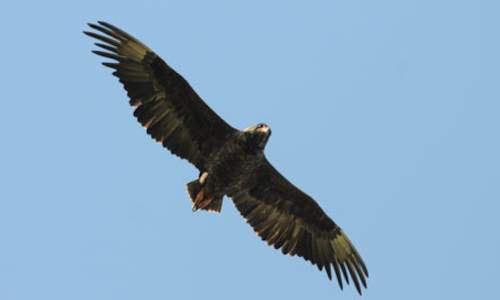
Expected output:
(232, 166)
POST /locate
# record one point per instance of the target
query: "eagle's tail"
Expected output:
(201, 199)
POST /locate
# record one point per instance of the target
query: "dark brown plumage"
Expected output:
(231, 162)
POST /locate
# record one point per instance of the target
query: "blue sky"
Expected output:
(386, 112)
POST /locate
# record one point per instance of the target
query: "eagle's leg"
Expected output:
(201, 197)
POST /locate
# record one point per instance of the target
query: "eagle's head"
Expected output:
(257, 136)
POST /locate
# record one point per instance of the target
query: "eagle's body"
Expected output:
(232, 167)
(231, 162)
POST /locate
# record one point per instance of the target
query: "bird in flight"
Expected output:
(231, 162)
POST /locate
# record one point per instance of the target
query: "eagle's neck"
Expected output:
(253, 142)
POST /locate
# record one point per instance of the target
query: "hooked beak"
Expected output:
(264, 129)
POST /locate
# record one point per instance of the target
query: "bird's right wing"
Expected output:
(287, 218)
(166, 105)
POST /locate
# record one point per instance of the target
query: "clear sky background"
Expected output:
(386, 112)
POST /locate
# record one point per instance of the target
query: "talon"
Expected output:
(199, 197)
(205, 203)
(198, 201)
(203, 177)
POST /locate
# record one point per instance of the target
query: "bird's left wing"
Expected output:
(166, 105)
(287, 218)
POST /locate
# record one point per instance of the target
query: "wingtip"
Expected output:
(340, 282)
(328, 271)
(94, 26)
(358, 289)
(107, 25)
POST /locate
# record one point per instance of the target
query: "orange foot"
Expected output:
(201, 202)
